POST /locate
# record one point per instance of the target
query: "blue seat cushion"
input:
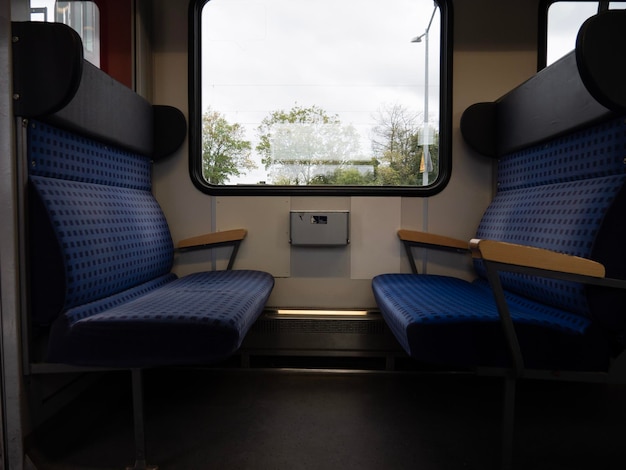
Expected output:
(566, 195)
(440, 319)
(93, 241)
(200, 318)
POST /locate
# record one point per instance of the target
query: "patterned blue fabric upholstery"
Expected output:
(198, 318)
(56, 153)
(101, 255)
(556, 196)
(109, 229)
(566, 195)
(112, 238)
(586, 154)
(445, 320)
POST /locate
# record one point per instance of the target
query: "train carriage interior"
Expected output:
(296, 234)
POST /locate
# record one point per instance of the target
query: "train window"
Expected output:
(82, 16)
(564, 19)
(320, 96)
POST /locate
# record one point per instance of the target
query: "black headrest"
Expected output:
(583, 87)
(52, 82)
(170, 130)
(601, 58)
(47, 67)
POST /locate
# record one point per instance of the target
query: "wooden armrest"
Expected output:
(424, 238)
(412, 238)
(216, 238)
(526, 256)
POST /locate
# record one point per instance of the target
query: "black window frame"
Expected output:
(445, 126)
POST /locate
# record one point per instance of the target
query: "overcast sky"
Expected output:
(349, 57)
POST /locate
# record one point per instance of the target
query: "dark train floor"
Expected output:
(258, 419)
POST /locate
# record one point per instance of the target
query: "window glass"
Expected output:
(564, 20)
(82, 16)
(320, 93)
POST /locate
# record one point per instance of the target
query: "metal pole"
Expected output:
(427, 161)
(426, 137)
(12, 403)
(138, 418)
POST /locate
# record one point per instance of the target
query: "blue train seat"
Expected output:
(101, 259)
(98, 250)
(549, 291)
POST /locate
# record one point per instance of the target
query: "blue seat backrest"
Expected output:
(565, 195)
(96, 228)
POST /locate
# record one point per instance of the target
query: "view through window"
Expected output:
(564, 20)
(320, 92)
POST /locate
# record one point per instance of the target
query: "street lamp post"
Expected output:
(426, 132)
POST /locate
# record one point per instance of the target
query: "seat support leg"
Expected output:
(138, 417)
(508, 422)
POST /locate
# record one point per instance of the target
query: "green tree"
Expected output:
(348, 176)
(225, 152)
(394, 133)
(305, 145)
(397, 145)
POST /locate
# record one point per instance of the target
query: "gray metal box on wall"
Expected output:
(319, 228)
